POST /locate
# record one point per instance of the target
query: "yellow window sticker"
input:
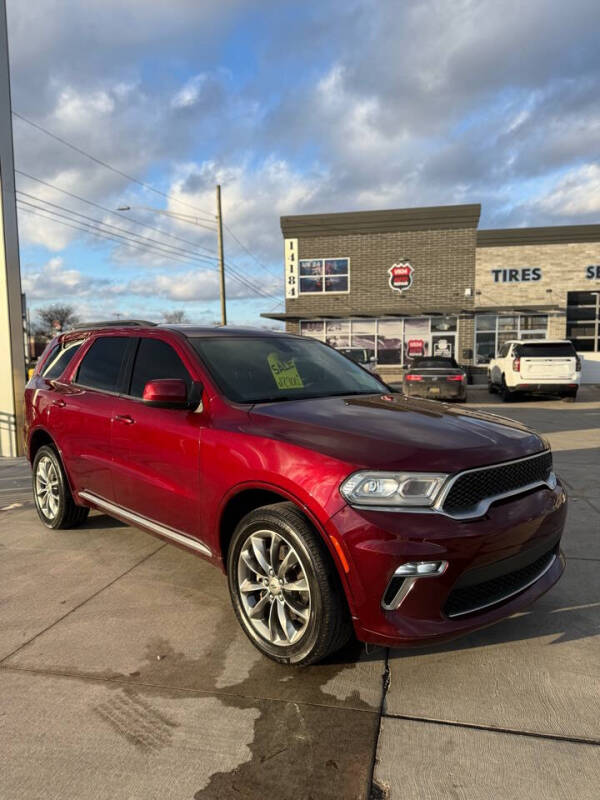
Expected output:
(285, 374)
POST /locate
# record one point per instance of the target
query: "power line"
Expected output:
(121, 231)
(87, 227)
(140, 183)
(133, 220)
(243, 246)
(109, 166)
(99, 232)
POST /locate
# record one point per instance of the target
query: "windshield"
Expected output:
(264, 369)
(430, 363)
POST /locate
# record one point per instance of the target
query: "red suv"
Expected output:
(333, 504)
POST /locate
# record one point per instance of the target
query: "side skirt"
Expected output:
(143, 522)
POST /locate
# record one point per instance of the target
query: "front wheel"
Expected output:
(52, 496)
(284, 587)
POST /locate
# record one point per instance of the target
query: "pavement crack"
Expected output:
(555, 737)
(375, 790)
(83, 602)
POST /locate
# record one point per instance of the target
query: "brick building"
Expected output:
(405, 282)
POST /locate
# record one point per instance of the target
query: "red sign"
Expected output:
(416, 347)
(401, 276)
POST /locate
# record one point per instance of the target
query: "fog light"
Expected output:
(405, 577)
(421, 568)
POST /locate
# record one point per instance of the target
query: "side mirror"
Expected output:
(166, 393)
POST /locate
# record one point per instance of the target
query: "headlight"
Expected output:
(392, 488)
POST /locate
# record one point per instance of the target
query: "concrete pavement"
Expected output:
(123, 674)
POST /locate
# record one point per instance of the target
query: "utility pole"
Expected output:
(221, 259)
(12, 350)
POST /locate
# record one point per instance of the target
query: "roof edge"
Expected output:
(389, 220)
(557, 234)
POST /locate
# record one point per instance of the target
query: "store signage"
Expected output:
(443, 348)
(517, 275)
(401, 276)
(593, 272)
(415, 347)
(291, 268)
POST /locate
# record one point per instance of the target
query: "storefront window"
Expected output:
(485, 347)
(314, 329)
(338, 333)
(363, 335)
(443, 324)
(494, 330)
(416, 338)
(318, 275)
(389, 341)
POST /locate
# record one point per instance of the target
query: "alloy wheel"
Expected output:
(47, 487)
(273, 588)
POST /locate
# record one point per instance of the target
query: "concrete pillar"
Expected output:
(12, 350)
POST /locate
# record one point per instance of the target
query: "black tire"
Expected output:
(491, 387)
(328, 626)
(66, 514)
(570, 397)
(505, 392)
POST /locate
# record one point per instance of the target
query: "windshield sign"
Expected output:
(268, 368)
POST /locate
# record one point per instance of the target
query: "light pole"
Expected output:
(12, 344)
(201, 224)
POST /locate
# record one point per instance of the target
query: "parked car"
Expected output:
(536, 366)
(436, 377)
(332, 505)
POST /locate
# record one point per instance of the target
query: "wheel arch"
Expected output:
(39, 438)
(248, 497)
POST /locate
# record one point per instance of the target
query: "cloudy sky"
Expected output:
(294, 108)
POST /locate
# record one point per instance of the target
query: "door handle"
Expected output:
(124, 418)
(59, 403)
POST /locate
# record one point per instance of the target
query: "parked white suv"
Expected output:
(539, 366)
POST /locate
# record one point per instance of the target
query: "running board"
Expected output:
(144, 522)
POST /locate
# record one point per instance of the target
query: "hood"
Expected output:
(396, 432)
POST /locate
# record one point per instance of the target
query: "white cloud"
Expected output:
(195, 285)
(53, 280)
(575, 194)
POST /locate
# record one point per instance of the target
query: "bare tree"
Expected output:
(55, 318)
(175, 317)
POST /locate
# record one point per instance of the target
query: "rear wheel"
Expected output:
(284, 587)
(52, 496)
(505, 392)
(569, 397)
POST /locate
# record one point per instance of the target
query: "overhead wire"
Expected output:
(114, 213)
(143, 184)
(99, 161)
(100, 232)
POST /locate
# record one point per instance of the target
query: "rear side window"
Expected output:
(156, 359)
(101, 365)
(59, 359)
(546, 350)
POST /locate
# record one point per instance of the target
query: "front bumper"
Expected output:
(514, 535)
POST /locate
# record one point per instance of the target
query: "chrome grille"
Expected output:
(470, 488)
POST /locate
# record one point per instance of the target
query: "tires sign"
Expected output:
(401, 276)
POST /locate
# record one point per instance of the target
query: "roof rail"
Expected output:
(113, 323)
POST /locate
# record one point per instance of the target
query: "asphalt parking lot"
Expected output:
(124, 674)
